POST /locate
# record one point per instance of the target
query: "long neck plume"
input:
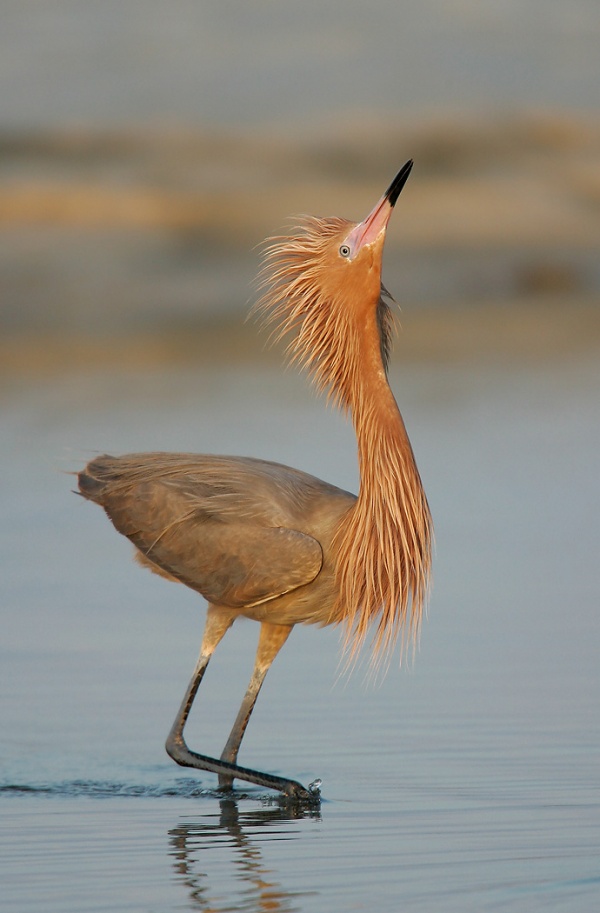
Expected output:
(384, 542)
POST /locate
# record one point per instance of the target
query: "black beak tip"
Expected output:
(393, 191)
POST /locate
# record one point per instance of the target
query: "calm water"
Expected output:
(467, 782)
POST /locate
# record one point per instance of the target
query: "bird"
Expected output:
(274, 544)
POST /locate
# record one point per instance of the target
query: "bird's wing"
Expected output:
(223, 527)
(234, 565)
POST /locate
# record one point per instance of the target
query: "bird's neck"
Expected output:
(384, 552)
(384, 450)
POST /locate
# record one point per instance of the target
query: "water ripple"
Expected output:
(184, 788)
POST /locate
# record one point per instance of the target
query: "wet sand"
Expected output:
(144, 242)
(472, 175)
(507, 332)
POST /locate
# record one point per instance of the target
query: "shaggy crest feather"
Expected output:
(296, 301)
(383, 545)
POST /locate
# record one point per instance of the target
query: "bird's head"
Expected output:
(323, 280)
(352, 258)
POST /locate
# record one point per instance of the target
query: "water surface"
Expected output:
(466, 781)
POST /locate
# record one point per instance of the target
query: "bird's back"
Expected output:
(241, 531)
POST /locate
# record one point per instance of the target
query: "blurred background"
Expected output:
(146, 149)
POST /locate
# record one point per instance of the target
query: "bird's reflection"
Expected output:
(238, 877)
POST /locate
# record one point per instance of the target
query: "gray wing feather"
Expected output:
(223, 527)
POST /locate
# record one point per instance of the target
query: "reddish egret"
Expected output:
(272, 543)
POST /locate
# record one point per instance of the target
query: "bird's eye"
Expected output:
(344, 251)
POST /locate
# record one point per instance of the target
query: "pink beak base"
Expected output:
(367, 231)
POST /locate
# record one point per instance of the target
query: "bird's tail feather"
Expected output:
(92, 480)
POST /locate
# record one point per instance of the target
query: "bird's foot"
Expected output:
(227, 772)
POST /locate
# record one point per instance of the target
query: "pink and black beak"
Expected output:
(369, 230)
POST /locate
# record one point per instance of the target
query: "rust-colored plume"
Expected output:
(333, 311)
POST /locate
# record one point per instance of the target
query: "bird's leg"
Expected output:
(217, 623)
(272, 638)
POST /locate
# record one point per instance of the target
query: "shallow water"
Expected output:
(465, 781)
